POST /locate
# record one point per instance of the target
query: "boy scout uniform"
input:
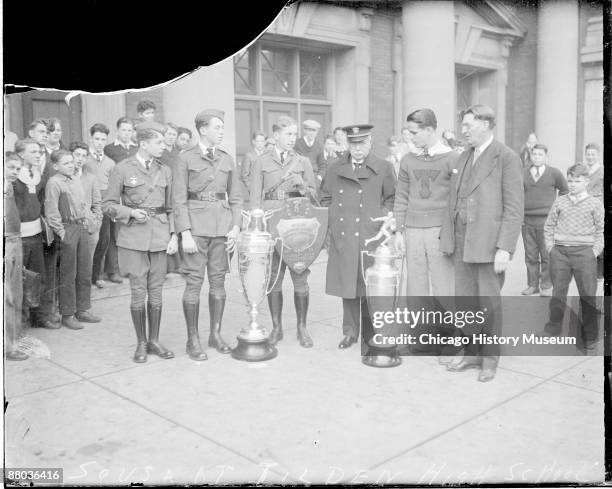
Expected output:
(142, 246)
(271, 185)
(207, 201)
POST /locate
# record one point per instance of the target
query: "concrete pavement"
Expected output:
(307, 416)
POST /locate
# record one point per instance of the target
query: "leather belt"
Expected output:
(76, 220)
(151, 211)
(207, 196)
(281, 195)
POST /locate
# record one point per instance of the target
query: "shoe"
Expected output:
(87, 317)
(530, 291)
(100, 284)
(546, 292)
(445, 359)
(56, 317)
(46, 324)
(15, 356)
(115, 278)
(153, 345)
(346, 342)
(301, 310)
(275, 303)
(71, 323)
(465, 364)
(193, 347)
(215, 308)
(139, 318)
(486, 374)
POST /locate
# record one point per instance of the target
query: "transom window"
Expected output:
(270, 70)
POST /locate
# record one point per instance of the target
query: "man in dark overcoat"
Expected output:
(482, 226)
(357, 187)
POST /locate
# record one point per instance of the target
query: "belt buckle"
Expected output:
(281, 195)
(211, 197)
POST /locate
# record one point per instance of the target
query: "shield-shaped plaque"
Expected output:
(302, 228)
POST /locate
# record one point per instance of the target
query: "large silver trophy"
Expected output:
(382, 281)
(255, 247)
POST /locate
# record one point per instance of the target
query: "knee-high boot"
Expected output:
(154, 346)
(275, 303)
(139, 318)
(301, 310)
(193, 348)
(215, 307)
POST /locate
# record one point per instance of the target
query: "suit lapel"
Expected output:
(463, 160)
(484, 165)
(346, 170)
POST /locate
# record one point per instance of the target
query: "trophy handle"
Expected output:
(279, 264)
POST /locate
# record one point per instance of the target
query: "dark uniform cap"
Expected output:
(149, 126)
(206, 115)
(358, 132)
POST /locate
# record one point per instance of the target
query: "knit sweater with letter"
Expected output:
(423, 189)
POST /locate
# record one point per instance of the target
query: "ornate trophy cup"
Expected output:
(255, 248)
(382, 281)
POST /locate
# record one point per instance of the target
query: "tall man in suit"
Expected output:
(482, 226)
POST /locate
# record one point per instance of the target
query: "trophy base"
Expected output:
(254, 351)
(381, 358)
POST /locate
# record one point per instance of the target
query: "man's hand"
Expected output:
(172, 245)
(398, 242)
(297, 180)
(502, 257)
(139, 215)
(189, 245)
(232, 236)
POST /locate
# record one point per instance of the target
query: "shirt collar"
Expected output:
(204, 148)
(436, 149)
(594, 169)
(142, 161)
(577, 198)
(128, 144)
(485, 145)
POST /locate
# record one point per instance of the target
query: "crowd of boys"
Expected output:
(102, 209)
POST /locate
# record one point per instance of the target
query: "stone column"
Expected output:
(557, 80)
(428, 54)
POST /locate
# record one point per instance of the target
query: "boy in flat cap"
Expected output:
(278, 175)
(357, 187)
(308, 145)
(207, 205)
(139, 198)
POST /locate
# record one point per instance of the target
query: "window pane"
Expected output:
(277, 71)
(244, 72)
(313, 67)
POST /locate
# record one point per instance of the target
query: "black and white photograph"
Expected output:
(363, 245)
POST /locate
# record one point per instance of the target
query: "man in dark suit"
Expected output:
(357, 187)
(481, 227)
(325, 158)
(308, 145)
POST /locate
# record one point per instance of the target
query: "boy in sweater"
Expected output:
(29, 190)
(67, 211)
(541, 183)
(421, 198)
(13, 262)
(574, 237)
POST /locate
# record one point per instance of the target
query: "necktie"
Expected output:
(426, 153)
(358, 165)
(148, 164)
(209, 153)
(476, 155)
(31, 173)
(283, 156)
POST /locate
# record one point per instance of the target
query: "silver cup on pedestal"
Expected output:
(255, 248)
